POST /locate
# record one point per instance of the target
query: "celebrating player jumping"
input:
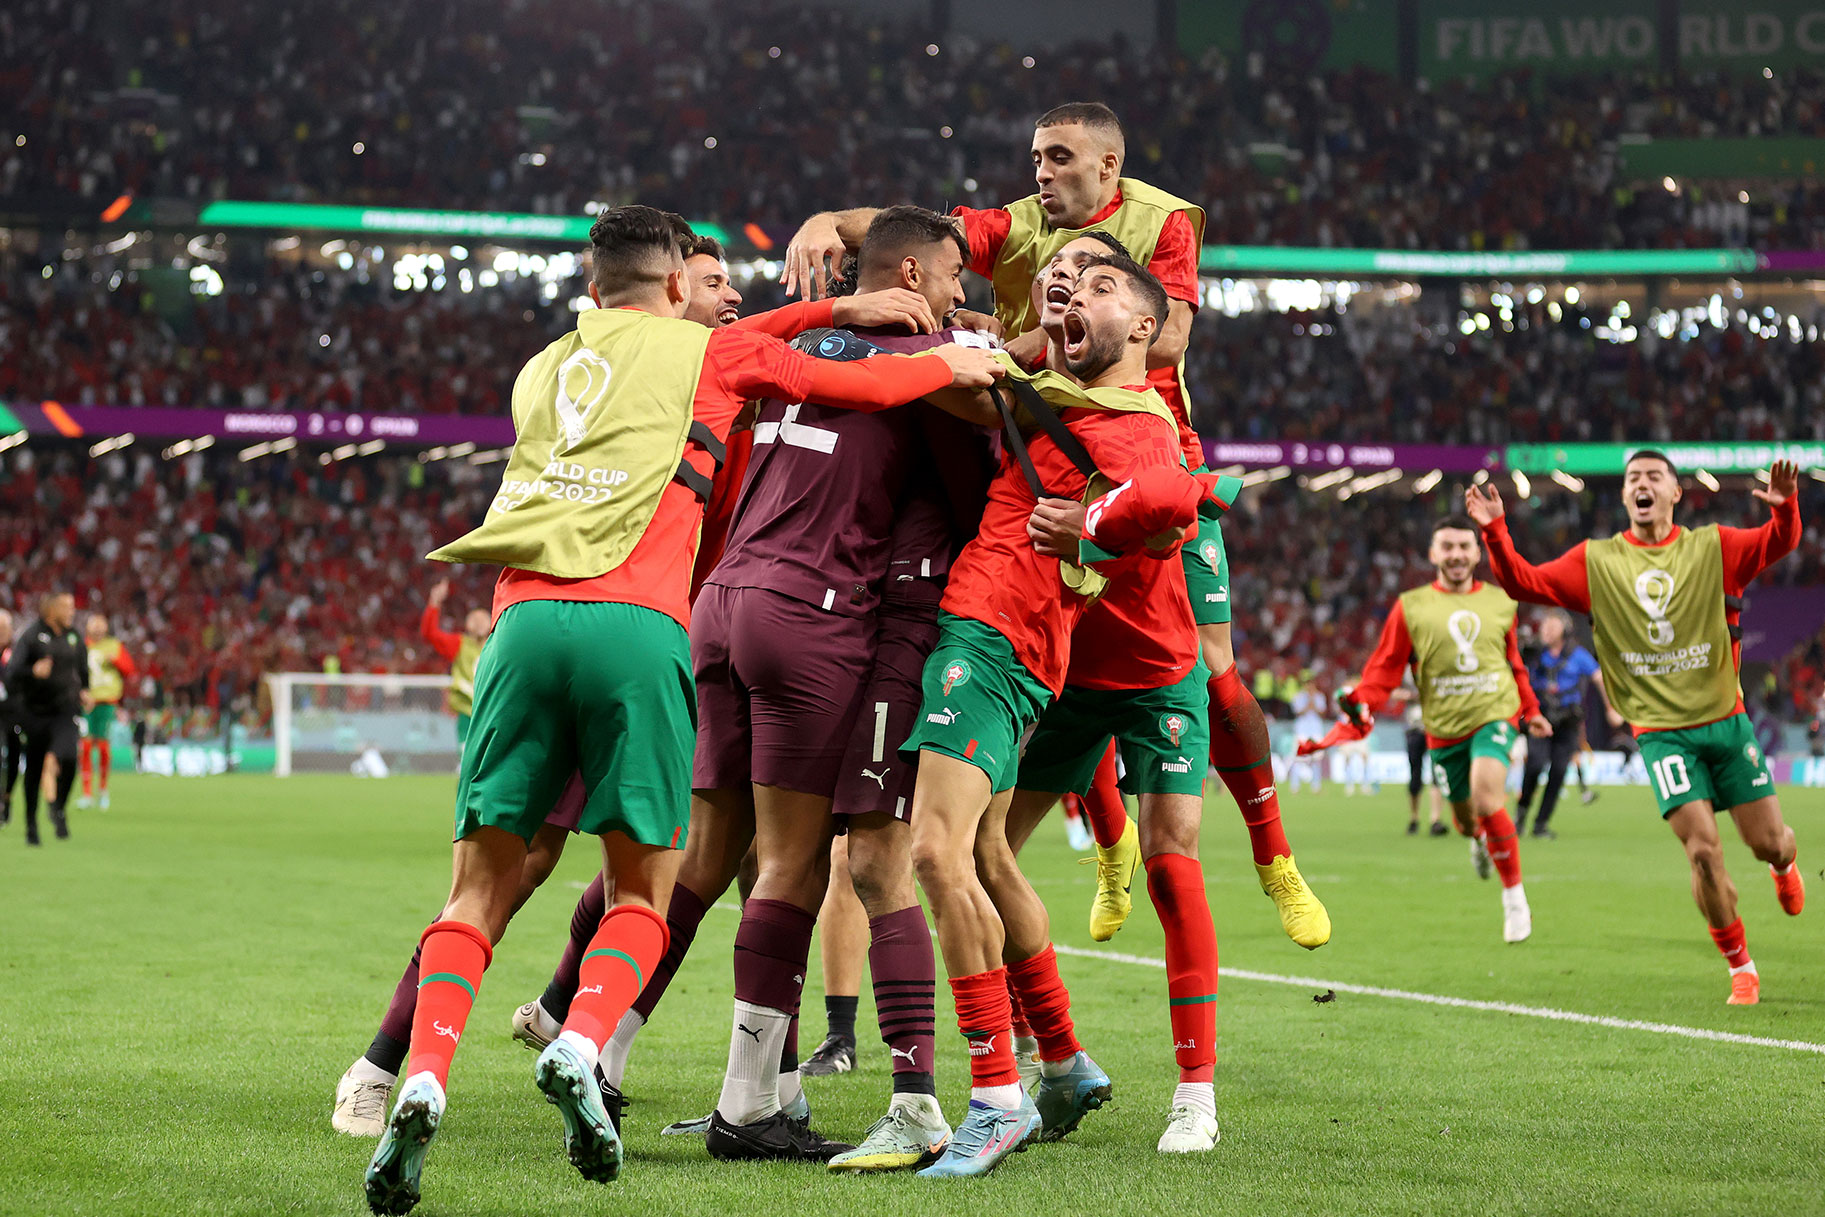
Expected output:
(1665, 603)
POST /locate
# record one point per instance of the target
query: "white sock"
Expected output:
(544, 1022)
(1748, 967)
(364, 1070)
(790, 1088)
(750, 1085)
(614, 1053)
(924, 1106)
(1027, 1043)
(1512, 896)
(1005, 1097)
(1057, 1069)
(585, 1047)
(1201, 1095)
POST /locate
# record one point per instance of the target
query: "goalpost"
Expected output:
(326, 724)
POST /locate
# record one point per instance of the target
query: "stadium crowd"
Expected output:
(216, 571)
(294, 337)
(767, 112)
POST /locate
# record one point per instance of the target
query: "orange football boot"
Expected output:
(1790, 889)
(1745, 989)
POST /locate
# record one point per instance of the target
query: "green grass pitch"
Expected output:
(182, 983)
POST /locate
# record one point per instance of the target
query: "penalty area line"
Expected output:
(1466, 1003)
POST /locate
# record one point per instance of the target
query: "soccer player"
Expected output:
(1078, 151)
(1664, 603)
(721, 835)
(462, 650)
(48, 674)
(1136, 680)
(1559, 672)
(1002, 654)
(808, 557)
(1458, 633)
(110, 667)
(618, 426)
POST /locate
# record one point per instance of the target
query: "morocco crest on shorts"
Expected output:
(1172, 726)
(956, 672)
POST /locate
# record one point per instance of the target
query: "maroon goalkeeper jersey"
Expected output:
(816, 514)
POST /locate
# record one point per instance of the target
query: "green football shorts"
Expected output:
(1719, 761)
(568, 685)
(1451, 764)
(101, 720)
(1163, 734)
(978, 700)
(1207, 568)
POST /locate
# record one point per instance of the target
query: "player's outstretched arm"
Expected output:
(820, 243)
(1750, 551)
(1386, 668)
(1563, 582)
(442, 641)
(754, 365)
(1531, 718)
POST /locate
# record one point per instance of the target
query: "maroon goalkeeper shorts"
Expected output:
(874, 776)
(568, 810)
(778, 683)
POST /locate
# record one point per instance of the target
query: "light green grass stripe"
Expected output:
(624, 957)
(452, 977)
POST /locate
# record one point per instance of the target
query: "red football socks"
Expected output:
(624, 952)
(83, 752)
(452, 957)
(1022, 1028)
(1731, 942)
(986, 1020)
(1176, 884)
(1504, 850)
(1046, 1004)
(1103, 806)
(1240, 751)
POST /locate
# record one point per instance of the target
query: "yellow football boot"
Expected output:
(1302, 914)
(1115, 869)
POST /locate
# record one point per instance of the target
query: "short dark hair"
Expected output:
(898, 231)
(1454, 520)
(710, 247)
(632, 245)
(1092, 114)
(1651, 454)
(1111, 240)
(1152, 294)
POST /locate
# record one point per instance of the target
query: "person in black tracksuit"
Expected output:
(12, 744)
(47, 679)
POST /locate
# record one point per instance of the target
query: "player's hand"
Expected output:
(893, 306)
(439, 591)
(1538, 727)
(1615, 719)
(1353, 711)
(971, 367)
(980, 323)
(1028, 350)
(42, 669)
(1783, 483)
(88, 701)
(816, 243)
(1055, 526)
(1483, 504)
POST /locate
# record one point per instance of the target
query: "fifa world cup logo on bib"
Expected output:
(1464, 626)
(582, 382)
(1654, 589)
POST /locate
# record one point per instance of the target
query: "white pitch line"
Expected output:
(1437, 999)
(1465, 1003)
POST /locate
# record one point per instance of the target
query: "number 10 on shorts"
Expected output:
(1671, 777)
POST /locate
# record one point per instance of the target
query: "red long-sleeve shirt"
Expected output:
(445, 643)
(738, 364)
(1565, 581)
(1387, 667)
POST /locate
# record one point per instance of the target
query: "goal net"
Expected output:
(343, 724)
